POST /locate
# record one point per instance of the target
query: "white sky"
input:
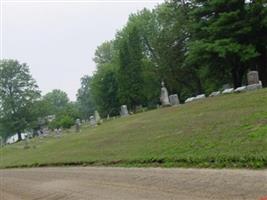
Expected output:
(58, 39)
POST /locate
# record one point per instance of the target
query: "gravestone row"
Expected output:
(173, 99)
(253, 84)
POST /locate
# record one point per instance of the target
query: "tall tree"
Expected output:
(131, 70)
(257, 19)
(105, 90)
(18, 92)
(104, 53)
(57, 100)
(104, 83)
(219, 38)
(84, 97)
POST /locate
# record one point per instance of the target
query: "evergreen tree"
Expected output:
(220, 38)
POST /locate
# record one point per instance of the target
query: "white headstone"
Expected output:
(92, 121)
(164, 97)
(254, 86)
(78, 125)
(228, 91)
(214, 94)
(241, 89)
(97, 117)
(190, 99)
(124, 111)
(174, 100)
(201, 96)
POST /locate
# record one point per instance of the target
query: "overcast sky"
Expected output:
(58, 39)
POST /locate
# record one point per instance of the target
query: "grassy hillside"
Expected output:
(224, 131)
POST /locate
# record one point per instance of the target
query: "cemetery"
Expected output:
(99, 98)
(200, 134)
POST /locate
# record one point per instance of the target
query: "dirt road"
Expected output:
(99, 183)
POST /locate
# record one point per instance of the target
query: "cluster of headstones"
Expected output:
(165, 99)
(95, 119)
(173, 100)
(253, 84)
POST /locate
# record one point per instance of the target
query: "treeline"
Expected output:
(194, 46)
(23, 109)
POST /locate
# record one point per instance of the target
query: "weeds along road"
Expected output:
(100, 183)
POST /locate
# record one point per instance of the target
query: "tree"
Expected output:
(66, 117)
(257, 19)
(104, 53)
(57, 100)
(105, 90)
(84, 98)
(131, 70)
(219, 38)
(104, 83)
(18, 92)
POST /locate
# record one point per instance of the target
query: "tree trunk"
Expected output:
(237, 74)
(19, 136)
(263, 67)
(199, 86)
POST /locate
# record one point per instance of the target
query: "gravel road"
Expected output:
(104, 183)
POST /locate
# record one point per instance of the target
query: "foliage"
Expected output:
(85, 99)
(56, 100)
(66, 117)
(104, 90)
(130, 72)
(225, 131)
(219, 38)
(18, 92)
(194, 46)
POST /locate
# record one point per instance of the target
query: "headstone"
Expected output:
(124, 111)
(1, 142)
(78, 125)
(45, 132)
(241, 89)
(228, 91)
(214, 94)
(201, 96)
(174, 100)
(253, 77)
(164, 97)
(97, 117)
(254, 87)
(92, 121)
(26, 142)
(190, 99)
(58, 132)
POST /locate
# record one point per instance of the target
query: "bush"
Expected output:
(66, 122)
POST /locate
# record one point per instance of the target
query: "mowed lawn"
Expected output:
(224, 131)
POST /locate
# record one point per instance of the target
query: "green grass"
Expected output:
(224, 131)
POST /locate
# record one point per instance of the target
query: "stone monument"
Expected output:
(124, 111)
(174, 100)
(97, 117)
(78, 125)
(253, 77)
(1, 142)
(92, 121)
(164, 98)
